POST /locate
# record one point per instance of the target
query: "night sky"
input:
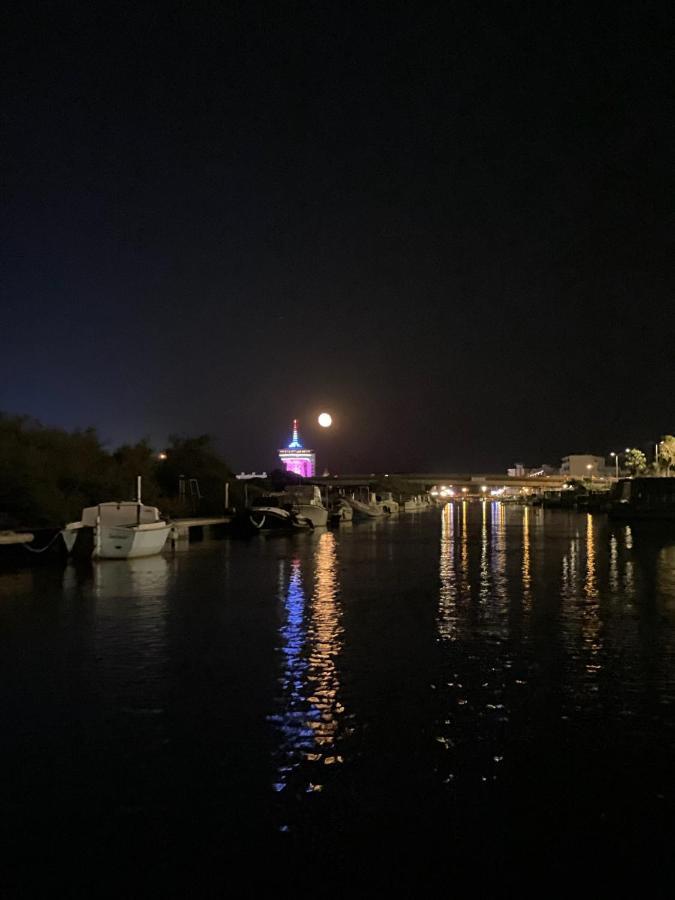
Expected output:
(450, 225)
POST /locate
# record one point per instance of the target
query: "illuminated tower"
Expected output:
(295, 458)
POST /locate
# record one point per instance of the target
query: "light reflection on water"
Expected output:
(526, 563)
(311, 641)
(426, 663)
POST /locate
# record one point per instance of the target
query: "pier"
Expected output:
(182, 530)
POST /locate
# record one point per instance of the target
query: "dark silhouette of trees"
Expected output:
(47, 475)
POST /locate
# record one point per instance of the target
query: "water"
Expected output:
(476, 694)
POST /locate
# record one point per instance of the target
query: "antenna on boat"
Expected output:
(138, 499)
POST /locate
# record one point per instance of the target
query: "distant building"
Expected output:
(295, 458)
(542, 470)
(521, 471)
(583, 465)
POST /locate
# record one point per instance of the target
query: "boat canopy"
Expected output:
(304, 493)
(123, 513)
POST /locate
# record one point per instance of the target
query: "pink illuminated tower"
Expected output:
(295, 458)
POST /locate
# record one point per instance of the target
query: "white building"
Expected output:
(583, 465)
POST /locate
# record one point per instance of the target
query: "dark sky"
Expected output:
(450, 225)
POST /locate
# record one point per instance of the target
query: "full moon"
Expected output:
(325, 420)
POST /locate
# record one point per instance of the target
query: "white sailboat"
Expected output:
(117, 530)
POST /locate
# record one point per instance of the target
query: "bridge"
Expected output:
(474, 482)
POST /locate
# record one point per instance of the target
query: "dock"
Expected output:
(201, 527)
(8, 538)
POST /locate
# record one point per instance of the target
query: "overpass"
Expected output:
(427, 480)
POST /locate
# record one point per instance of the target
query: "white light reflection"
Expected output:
(447, 605)
(590, 623)
(613, 564)
(526, 564)
(498, 555)
(484, 590)
(465, 583)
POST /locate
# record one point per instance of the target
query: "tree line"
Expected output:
(47, 475)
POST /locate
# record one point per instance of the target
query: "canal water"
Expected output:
(483, 693)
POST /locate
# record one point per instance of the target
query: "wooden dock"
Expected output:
(8, 538)
(201, 527)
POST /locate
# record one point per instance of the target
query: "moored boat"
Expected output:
(366, 509)
(419, 501)
(387, 502)
(117, 530)
(270, 512)
(305, 500)
(341, 511)
(643, 498)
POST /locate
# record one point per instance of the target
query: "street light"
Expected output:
(616, 463)
(589, 466)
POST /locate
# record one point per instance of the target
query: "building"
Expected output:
(583, 465)
(521, 471)
(295, 458)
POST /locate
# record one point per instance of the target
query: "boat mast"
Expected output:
(138, 498)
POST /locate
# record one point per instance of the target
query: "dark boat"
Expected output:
(643, 498)
(268, 514)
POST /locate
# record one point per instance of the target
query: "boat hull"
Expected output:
(317, 515)
(343, 513)
(264, 519)
(129, 542)
(366, 510)
(116, 542)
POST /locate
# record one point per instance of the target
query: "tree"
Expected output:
(667, 453)
(195, 464)
(48, 475)
(636, 462)
(132, 460)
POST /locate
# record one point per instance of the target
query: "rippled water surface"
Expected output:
(476, 692)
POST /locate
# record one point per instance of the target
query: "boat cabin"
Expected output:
(126, 512)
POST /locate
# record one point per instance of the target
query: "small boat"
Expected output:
(412, 504)
(306, 502)
(341, 511)
(269, 513)
(643, 498)
(387, 502)
(117, 530)
(366, 509)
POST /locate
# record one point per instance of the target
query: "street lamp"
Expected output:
(616, 464)
(589, 466)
